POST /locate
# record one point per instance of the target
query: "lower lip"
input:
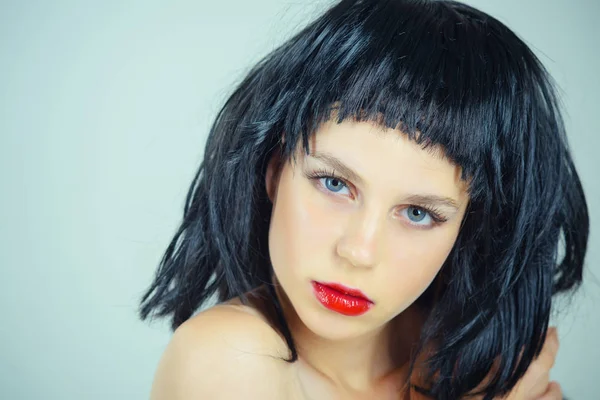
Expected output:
(340, 302)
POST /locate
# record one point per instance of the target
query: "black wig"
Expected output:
(450, 76)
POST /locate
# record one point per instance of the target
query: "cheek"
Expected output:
(412, 263)
(302, 230)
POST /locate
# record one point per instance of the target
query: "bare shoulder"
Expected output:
(225, 352)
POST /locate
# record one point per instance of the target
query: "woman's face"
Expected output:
(368, 209)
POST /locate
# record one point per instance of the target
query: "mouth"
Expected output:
(342, 299)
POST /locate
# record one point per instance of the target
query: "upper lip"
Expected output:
(345, 289)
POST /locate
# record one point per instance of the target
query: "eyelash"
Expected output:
(433, 212)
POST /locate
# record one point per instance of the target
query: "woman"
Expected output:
(379, 213)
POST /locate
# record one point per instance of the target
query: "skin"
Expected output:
(367, 228)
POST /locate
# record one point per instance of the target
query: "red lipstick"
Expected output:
(342, 299)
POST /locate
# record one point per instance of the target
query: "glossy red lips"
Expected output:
(341, 299)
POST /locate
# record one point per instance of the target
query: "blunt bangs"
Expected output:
(443, 73)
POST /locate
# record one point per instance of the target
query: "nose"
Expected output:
(359, 241)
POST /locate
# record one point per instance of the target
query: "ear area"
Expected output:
(272, 175)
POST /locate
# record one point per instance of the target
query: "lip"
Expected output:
(342, 299)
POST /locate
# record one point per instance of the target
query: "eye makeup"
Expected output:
(434, 212)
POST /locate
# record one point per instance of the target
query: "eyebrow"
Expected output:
(433, 200)
(338, 165)
(348, 173)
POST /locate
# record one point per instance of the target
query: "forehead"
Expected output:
(387, 156)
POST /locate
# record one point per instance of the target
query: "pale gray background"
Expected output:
(104, 110)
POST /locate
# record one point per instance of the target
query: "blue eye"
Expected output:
(417, 215)
(329, 182)
(334, 184)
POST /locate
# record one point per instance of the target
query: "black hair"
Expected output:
(450, 76)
